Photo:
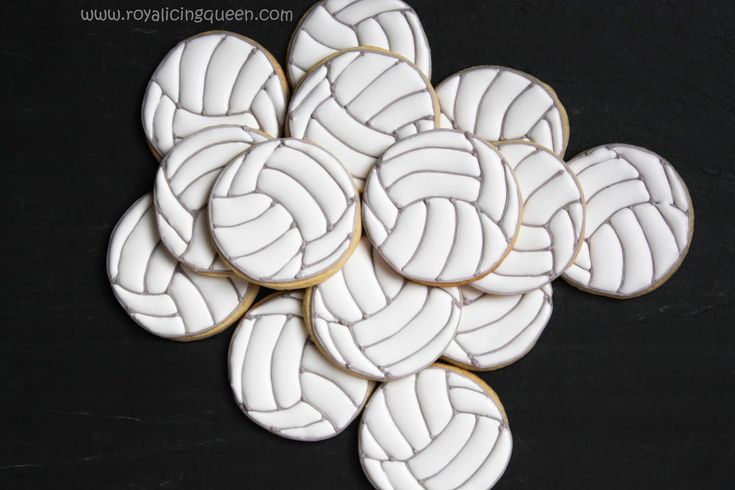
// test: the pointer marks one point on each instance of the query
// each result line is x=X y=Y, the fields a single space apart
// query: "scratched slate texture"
x=635 y=394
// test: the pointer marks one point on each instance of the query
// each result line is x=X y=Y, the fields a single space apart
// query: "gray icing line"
x=572 y=276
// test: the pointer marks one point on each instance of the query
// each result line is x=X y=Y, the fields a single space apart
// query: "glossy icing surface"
x=437 y=429
x=640 y=221
x=182 y=188
x=284 y=213
x=160 y=294
x=442 y=207
x=332 y=25
x=498 y=103
x=212 y=79
x=373 y=322
x=358 y=103
x=282 y=382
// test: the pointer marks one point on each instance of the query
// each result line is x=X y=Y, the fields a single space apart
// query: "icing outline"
x=436 y=107
x=407 y=10
x=245 y=301
x=682 y=252
x=556 y=102
x=296 y=283
x=257 y=47
x=509 y=176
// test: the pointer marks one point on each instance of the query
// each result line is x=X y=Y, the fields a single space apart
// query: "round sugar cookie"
x=333 y=25
x=281 y=381
x=210 y=79
x=160 y=294
x=552 y=224
x=640 y=221
x=442 y=207
x=285 y=214
x=498 y=103
x=369 y=320
x=441 y=428
x=358 y=102
x=182 y=188
x=496 y=331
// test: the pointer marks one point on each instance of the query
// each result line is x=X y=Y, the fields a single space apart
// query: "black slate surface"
x=636 y=394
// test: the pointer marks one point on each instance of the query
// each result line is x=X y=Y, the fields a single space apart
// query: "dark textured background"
x=637 y=394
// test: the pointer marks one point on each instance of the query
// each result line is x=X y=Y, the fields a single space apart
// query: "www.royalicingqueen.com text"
x=181 y=14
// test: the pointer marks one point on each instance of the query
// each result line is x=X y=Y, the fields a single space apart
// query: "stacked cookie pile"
x=400 y=222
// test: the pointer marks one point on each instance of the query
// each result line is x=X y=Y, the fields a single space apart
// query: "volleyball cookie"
x=371 y=321
x=496 y=331
x=441 y=428
x=160 y=294
x=182 y=188
x=285 y=214
x=282 y=382
x=442 y=207
x=211 y=79
x=358 y=102
x=552 y=224
x=333 y=25
x=640 y=221
x=498 y=103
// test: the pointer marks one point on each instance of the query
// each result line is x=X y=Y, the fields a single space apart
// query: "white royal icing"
x=284 y=213
x=437 y=429
x=442 y=207
x=160 y=294
x=552 y=224
x=639 y=221
x=183 y=185
x=498 y=103
x=333 y=25
x=212 y=79
x=281 y=380
x=495 y=331
x=358 y=103
x=373 y=322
